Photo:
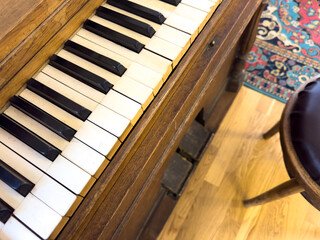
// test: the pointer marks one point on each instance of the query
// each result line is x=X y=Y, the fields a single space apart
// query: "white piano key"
x=46 y=189
x=105 y=43
x=163 y=31
x=36 y=127
x=99 y=139
x=101 y=50
x=203 y=5
x=155 y=62
x=145 y=57
x=71 y=176
x=123 y=105
x=162 y=7
x=66 y=91
x=136 y=71
x=38 y=216
x=146 y=76
x=52 y=109
x=56 y=196
x=175 y=36
x=10 y=196
x=78 y=183
x=183 y=24
x=194 y=14
x=111 y=122
x=15 y=230
x=154 y=44
x=134 y=113
x=172 y=19
x=85 y=157
x=139 y=37
x=151 y=23
x=73 y=83
x=29 y=171
x=109 y=76
x=166 y=49
x=24 y=150
x=135 y=90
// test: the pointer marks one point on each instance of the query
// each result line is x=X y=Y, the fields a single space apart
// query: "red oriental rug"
x=287 y=50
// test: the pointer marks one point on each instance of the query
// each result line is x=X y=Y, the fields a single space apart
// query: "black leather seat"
x=300 y=141
x=305 y=128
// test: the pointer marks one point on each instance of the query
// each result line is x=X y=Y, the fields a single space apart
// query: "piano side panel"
x=26 y=59
x=104 y=210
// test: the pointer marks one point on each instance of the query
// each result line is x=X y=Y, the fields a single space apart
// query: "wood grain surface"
x=240 y=164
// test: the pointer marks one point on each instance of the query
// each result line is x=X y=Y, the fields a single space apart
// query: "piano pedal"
x=175 y=178
x=194 y=141
x=185 y=160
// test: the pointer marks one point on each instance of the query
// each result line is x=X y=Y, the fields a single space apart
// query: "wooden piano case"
x=120 y=202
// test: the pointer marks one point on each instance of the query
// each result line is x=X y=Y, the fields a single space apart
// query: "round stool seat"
x=300 y=142
x=300 y=139
x=305 y=128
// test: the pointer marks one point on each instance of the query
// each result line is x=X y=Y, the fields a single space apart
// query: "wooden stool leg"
x=272 y=131
x=283 y=190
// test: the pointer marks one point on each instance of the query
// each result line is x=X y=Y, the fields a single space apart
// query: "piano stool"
x=299 y=136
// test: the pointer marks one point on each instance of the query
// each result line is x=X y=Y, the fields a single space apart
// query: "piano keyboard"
x=62 y=129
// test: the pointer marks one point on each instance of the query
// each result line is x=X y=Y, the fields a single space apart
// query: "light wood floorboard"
x=239 y=164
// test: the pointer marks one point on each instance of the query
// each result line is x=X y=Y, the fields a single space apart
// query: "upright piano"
x=95 y=97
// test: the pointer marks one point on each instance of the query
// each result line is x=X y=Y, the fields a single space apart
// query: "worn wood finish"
x=18 y=19
x=155 y=138
x=28 y=57
x=123 y=187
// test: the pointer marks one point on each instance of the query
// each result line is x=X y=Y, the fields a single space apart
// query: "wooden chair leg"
x=272 y=131
x=283 y=190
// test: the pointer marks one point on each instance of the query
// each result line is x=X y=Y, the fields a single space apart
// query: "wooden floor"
x=239 y=164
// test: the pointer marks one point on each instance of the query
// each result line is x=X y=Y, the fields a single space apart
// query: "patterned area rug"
x=287 y=50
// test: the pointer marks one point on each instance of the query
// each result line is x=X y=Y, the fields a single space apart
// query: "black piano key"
x=81 y=74
x=31 y=139
x=44 y=118
x=113 y=36
x=172 y=2
x=125 y=21
x=138 y=10
x=5 y=211
x=96 y=58
x=58 y=99
x=14 y=179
